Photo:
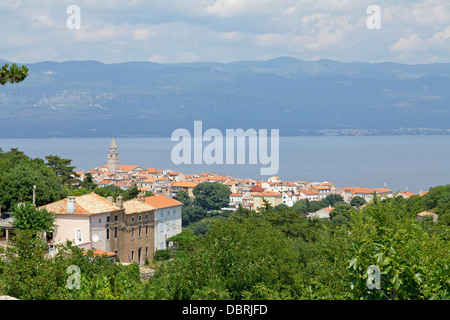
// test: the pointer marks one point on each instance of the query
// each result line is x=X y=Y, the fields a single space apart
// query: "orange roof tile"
x=185 y=184
x=236 y=195
x=160 y=201
x=308 y=192
x=100 y=253
x=267 y=194
x=90 y=203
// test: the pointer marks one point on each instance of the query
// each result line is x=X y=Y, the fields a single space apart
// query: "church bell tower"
x=113 y=157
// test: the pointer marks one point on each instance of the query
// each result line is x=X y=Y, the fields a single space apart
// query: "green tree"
x=183 y=197
x=88 y=182
x=211 y=195
x=332 y=200
x=342 y=213
x=28 y=217
x=13 y=73
x=413 y=262
x=357 y=201
x=240 y=258
x=18 y=175
x=62 y=168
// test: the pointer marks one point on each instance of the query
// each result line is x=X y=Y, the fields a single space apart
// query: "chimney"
x=110 y=199
x=71 y=204
x=141 y=197
x=119 y=202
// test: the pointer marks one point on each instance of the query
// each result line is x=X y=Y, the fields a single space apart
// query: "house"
x=309 y=194
x=134 y=231
x=84 y=220
x=274 y=179
x=233 y=185
x=322 y=213
x=423 y=214
x=7 y=230
x=290 y=198
x=323 y=191
x=187 y=186
x=274 y=198
x=366 y=193
x=236 y=198
x=167 y=219
x=92 y=222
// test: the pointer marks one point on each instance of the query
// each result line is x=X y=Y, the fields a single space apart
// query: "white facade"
x=290 y=198
x=167 y=224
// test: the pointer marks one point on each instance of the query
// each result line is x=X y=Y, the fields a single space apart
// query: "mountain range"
x=133 y=99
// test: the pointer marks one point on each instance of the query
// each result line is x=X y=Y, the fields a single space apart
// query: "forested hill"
x=90 y=98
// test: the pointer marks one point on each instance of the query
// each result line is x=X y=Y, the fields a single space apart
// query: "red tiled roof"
x=160 y=201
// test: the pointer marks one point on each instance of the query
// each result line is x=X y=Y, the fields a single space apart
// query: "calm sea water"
x=415 y=163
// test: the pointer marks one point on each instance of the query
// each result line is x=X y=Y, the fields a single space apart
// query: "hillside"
x=90 y=98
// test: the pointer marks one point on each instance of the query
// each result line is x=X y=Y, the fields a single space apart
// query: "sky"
x=174 y=31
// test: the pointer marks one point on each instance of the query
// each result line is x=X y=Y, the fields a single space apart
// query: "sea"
x=411 y=163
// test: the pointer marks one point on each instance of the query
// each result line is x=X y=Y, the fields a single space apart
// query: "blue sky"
x=225 y=30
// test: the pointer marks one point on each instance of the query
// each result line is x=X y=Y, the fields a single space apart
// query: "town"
x=134 y=230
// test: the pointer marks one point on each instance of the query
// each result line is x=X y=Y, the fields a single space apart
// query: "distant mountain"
x=90 y=98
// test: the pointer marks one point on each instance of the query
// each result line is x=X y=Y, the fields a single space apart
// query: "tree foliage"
x=211 y=195
x=19 y=173
x=28 y=217
x=13 y=73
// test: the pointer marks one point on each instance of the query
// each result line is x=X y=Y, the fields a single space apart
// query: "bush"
x=161 y=255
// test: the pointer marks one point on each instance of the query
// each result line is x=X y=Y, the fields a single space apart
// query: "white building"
x=84 y=220
x=167 y=219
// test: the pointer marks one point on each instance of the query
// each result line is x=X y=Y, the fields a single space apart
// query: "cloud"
x=414 y=43
x=225 y=30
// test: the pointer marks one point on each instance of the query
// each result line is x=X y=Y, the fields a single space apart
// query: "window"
x=140 y=218
x=107 y=234
x=140 y=231
x=132 y=219
x=132 y=233
x=107 y=219
x=115 y=232
x=99 y=221
x=146 y=217
x=146 y=230
x=116 y=217
x=78 y=236
x=146 y=251
x=132 y=255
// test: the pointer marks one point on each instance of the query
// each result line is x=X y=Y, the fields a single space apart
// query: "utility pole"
x=34 y=195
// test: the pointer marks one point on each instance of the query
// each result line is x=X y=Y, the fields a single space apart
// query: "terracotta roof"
x=135 y=206
x=425 y=213
x=236 y=195
x=321 y=187
x=267 y=194
x=185 y=184
x=127 y=168
x=90 y=203
x=366 y=190
x=100 y=253
x=160 y=201
x=257 y=188
x=309 y=192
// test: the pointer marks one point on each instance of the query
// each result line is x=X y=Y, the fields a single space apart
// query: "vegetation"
x=19 y=173
x=13 y=73
x=377 y=251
